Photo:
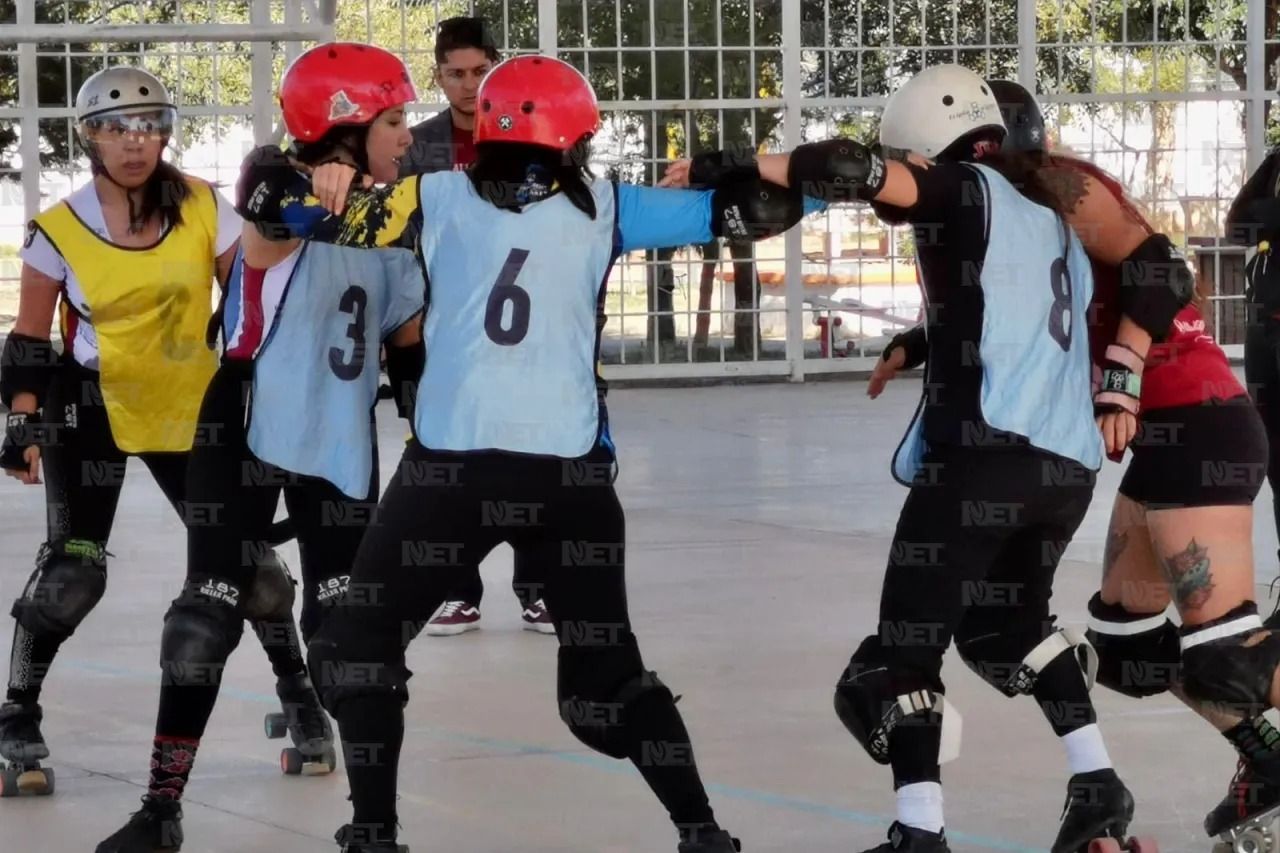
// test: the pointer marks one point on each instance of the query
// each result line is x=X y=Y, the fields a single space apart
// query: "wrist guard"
x=267 y=176
x=1121 y=388
x=27 y=366
x=21 y=431
x=915 y=344
x=714 y=169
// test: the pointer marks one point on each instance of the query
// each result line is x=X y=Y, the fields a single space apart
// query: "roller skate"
x=362 y=840
x=304 y=720
x=22 y=747
x=715 y=841
x=912 y=839
x=154 y=828
x=1097 y=815
x=1248 y=818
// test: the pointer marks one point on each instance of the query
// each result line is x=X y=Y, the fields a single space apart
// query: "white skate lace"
x=451 y=608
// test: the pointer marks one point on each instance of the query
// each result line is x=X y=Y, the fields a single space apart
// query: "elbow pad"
x=837 y=170
x=1156 y=283
x=758 y=210
x=914 y=344
x=404 y=369
x=27 y=366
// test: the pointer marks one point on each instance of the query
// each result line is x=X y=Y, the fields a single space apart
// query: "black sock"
x=664 y=757
x=372 y=731
x=914 y=745
x=283 y=646
x=1254 y=739
x=1063 y=695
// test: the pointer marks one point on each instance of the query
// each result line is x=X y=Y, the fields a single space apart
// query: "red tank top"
x=1189 y=367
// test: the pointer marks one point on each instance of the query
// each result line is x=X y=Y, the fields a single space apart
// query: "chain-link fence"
x=1171 y=97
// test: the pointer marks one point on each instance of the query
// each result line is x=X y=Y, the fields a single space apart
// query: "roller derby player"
x=298 y=321
x=133 y=256
x=1181 y=528
x=1001 y=460
x=465 y=51
x=510 y=416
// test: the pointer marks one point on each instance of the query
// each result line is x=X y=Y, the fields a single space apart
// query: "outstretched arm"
x=277 y=198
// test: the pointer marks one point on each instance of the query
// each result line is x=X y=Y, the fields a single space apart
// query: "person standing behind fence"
x=465 y=51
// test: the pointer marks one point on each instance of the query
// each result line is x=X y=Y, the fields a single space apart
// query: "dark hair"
x=463 y=33
x=164 y=192
x=342 y=137
x=502 y=169
x=1023 y=169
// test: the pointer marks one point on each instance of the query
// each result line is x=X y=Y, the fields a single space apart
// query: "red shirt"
x=464 y=148
x=1189 y=367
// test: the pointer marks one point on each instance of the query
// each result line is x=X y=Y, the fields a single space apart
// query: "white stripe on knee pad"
x=1128 y=629
x=1063 y=640
x=1243 y=625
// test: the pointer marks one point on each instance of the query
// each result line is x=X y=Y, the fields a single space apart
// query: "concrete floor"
x=759 y=520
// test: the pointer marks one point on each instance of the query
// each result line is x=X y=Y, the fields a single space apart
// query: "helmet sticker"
x=505 y=122
x=340 y=106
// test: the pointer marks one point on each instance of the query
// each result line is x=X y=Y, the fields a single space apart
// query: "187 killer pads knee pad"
x=872 y=698
x=1222 y=667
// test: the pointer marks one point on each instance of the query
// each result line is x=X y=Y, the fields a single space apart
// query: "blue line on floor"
x=588 y=760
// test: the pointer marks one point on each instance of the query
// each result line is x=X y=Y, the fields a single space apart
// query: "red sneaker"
x=454 y=617
x=537 y=619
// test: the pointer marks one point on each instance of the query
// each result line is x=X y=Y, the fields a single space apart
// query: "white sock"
x=1085 y=750
x=920 y=805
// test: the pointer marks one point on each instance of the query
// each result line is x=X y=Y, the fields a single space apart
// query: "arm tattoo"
x=1188 y=572
x=1116 y=542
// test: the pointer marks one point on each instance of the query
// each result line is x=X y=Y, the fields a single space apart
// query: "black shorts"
x=1210 y=454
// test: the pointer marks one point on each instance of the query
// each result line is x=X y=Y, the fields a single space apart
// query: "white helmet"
x=123 y=99
x=936 y=107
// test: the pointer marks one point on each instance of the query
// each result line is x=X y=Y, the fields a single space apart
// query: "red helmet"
x=538 y=100
x=341 y=83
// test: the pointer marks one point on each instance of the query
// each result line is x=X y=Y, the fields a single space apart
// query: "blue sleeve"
x=814 y=205
x=406 y=289
x=662 y=218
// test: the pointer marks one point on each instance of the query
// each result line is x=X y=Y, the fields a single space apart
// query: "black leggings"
x=440 y=517
x=83 y=471
x=1262 y=377
x=233 y=497
x=973 y=559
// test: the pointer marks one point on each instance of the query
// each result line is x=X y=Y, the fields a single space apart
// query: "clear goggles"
x=130 y=123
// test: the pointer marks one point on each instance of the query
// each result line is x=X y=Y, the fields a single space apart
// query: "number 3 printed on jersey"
x=1060 y=312
x=505 y=290
x=353 y=302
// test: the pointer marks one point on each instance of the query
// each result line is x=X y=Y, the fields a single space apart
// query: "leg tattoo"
x=1188 y=572
x=1116 y=542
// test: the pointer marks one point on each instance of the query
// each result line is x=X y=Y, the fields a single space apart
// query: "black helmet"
x=1022 y=117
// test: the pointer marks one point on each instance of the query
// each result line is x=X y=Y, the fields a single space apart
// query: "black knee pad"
x=1012 y=662
x=69 y=580
x=597 y=688
x=1138 y=653
x=346 y=664
x=273 y=591
x=874 y=696
x=196 y=643
x=1220 y=670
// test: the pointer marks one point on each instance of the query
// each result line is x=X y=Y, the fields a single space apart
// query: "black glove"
x=266 y=176
x=713 y=169
x=20 y=432
x=1121 y=388
x=915 y=344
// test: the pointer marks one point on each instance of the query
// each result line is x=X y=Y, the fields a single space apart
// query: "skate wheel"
x=276 y=726
x=1105 y=845
x=21 y=782
x=1142 y=844
x=1251 y=841
x=291 y=761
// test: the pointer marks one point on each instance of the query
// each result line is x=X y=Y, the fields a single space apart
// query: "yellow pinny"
x=149 y=308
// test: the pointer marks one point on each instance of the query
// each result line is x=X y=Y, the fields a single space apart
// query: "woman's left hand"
x=1118 y=430
x=677 y=175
